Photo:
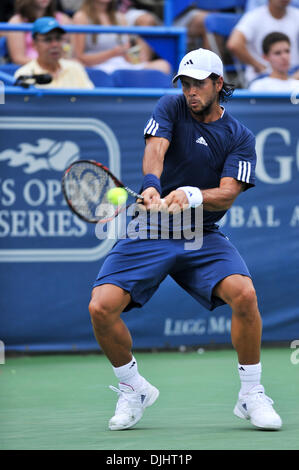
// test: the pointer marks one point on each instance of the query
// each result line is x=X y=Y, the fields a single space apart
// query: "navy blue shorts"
x=139 y=266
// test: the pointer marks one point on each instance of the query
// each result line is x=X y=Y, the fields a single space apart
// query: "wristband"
x=151 y=181
x=194 y=195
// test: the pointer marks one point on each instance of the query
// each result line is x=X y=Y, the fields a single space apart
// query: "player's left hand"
x=176 y=201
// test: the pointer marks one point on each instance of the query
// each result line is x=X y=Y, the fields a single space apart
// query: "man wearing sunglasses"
x=49 y=37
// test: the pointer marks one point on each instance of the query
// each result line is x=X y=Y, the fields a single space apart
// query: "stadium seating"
x=120 y=78
x=99 y=78
x=220 y=5
x=7 y=72
x=3 y=48
x=221 y=23
x=173 y=8
x=9 y=68
x=141 y=79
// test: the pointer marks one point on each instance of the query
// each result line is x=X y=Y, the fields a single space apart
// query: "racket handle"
x=133 y=193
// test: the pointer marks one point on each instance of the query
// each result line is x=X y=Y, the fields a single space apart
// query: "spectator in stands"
x=70 y=6
x=277 y=51
x=246 y=38
x=193 y=19
x=48 y=36
x=20 y=45
x=110 y=51
x=251 y=4
x=142 y=12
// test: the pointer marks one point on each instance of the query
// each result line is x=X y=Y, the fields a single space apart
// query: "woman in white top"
x=277 y=51
x=109 y=51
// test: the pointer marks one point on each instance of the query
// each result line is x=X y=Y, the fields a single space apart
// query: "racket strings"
x=86 y=186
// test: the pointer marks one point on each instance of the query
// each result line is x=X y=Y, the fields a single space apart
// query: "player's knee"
x=100 y=313
x=244 y=303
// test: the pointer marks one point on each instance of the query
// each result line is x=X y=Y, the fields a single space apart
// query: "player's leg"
x=129 y=276
x=106 y=305
x=134 y=392
x=246 y=329
x=214 y=275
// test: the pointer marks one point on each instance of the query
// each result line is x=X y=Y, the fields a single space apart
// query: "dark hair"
x=28 y=11
x=226 y=90
x=272 y=38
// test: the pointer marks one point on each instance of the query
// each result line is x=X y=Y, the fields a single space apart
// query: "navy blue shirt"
x=200 y=154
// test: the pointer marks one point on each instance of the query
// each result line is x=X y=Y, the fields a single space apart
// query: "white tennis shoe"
x=131 y=405
x=257 y=407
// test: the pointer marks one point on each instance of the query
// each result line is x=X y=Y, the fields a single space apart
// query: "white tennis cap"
x=199 y=64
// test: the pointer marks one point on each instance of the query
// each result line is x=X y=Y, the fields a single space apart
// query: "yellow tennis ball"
x=117 y=196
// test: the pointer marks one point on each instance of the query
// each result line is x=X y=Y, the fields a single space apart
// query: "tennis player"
x=196 y=154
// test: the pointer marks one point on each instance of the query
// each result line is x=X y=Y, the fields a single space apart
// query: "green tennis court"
x=62 y=402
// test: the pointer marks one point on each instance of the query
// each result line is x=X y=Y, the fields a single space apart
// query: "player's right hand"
x=152 y=200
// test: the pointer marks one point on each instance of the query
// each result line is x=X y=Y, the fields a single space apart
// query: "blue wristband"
x=151 y=181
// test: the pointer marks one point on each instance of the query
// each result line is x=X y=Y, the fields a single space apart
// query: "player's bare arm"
x=153 y=160
x=221 y=198
x=214 y=199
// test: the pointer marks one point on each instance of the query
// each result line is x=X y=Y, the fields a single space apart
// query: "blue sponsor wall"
x=49 y=258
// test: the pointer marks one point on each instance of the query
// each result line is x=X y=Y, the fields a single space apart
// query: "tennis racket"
x=85 y=184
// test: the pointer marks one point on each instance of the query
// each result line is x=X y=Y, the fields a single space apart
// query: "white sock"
x=129 y=375
x=250 y=376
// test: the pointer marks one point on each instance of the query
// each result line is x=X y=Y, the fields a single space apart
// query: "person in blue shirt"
x=197 y=158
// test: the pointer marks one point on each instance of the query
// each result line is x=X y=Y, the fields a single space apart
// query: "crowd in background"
x=264 y=42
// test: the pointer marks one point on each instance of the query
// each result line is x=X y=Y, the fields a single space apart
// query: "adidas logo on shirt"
x=202 y=141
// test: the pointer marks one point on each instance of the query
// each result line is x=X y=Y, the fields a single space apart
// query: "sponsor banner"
x=49 y=258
